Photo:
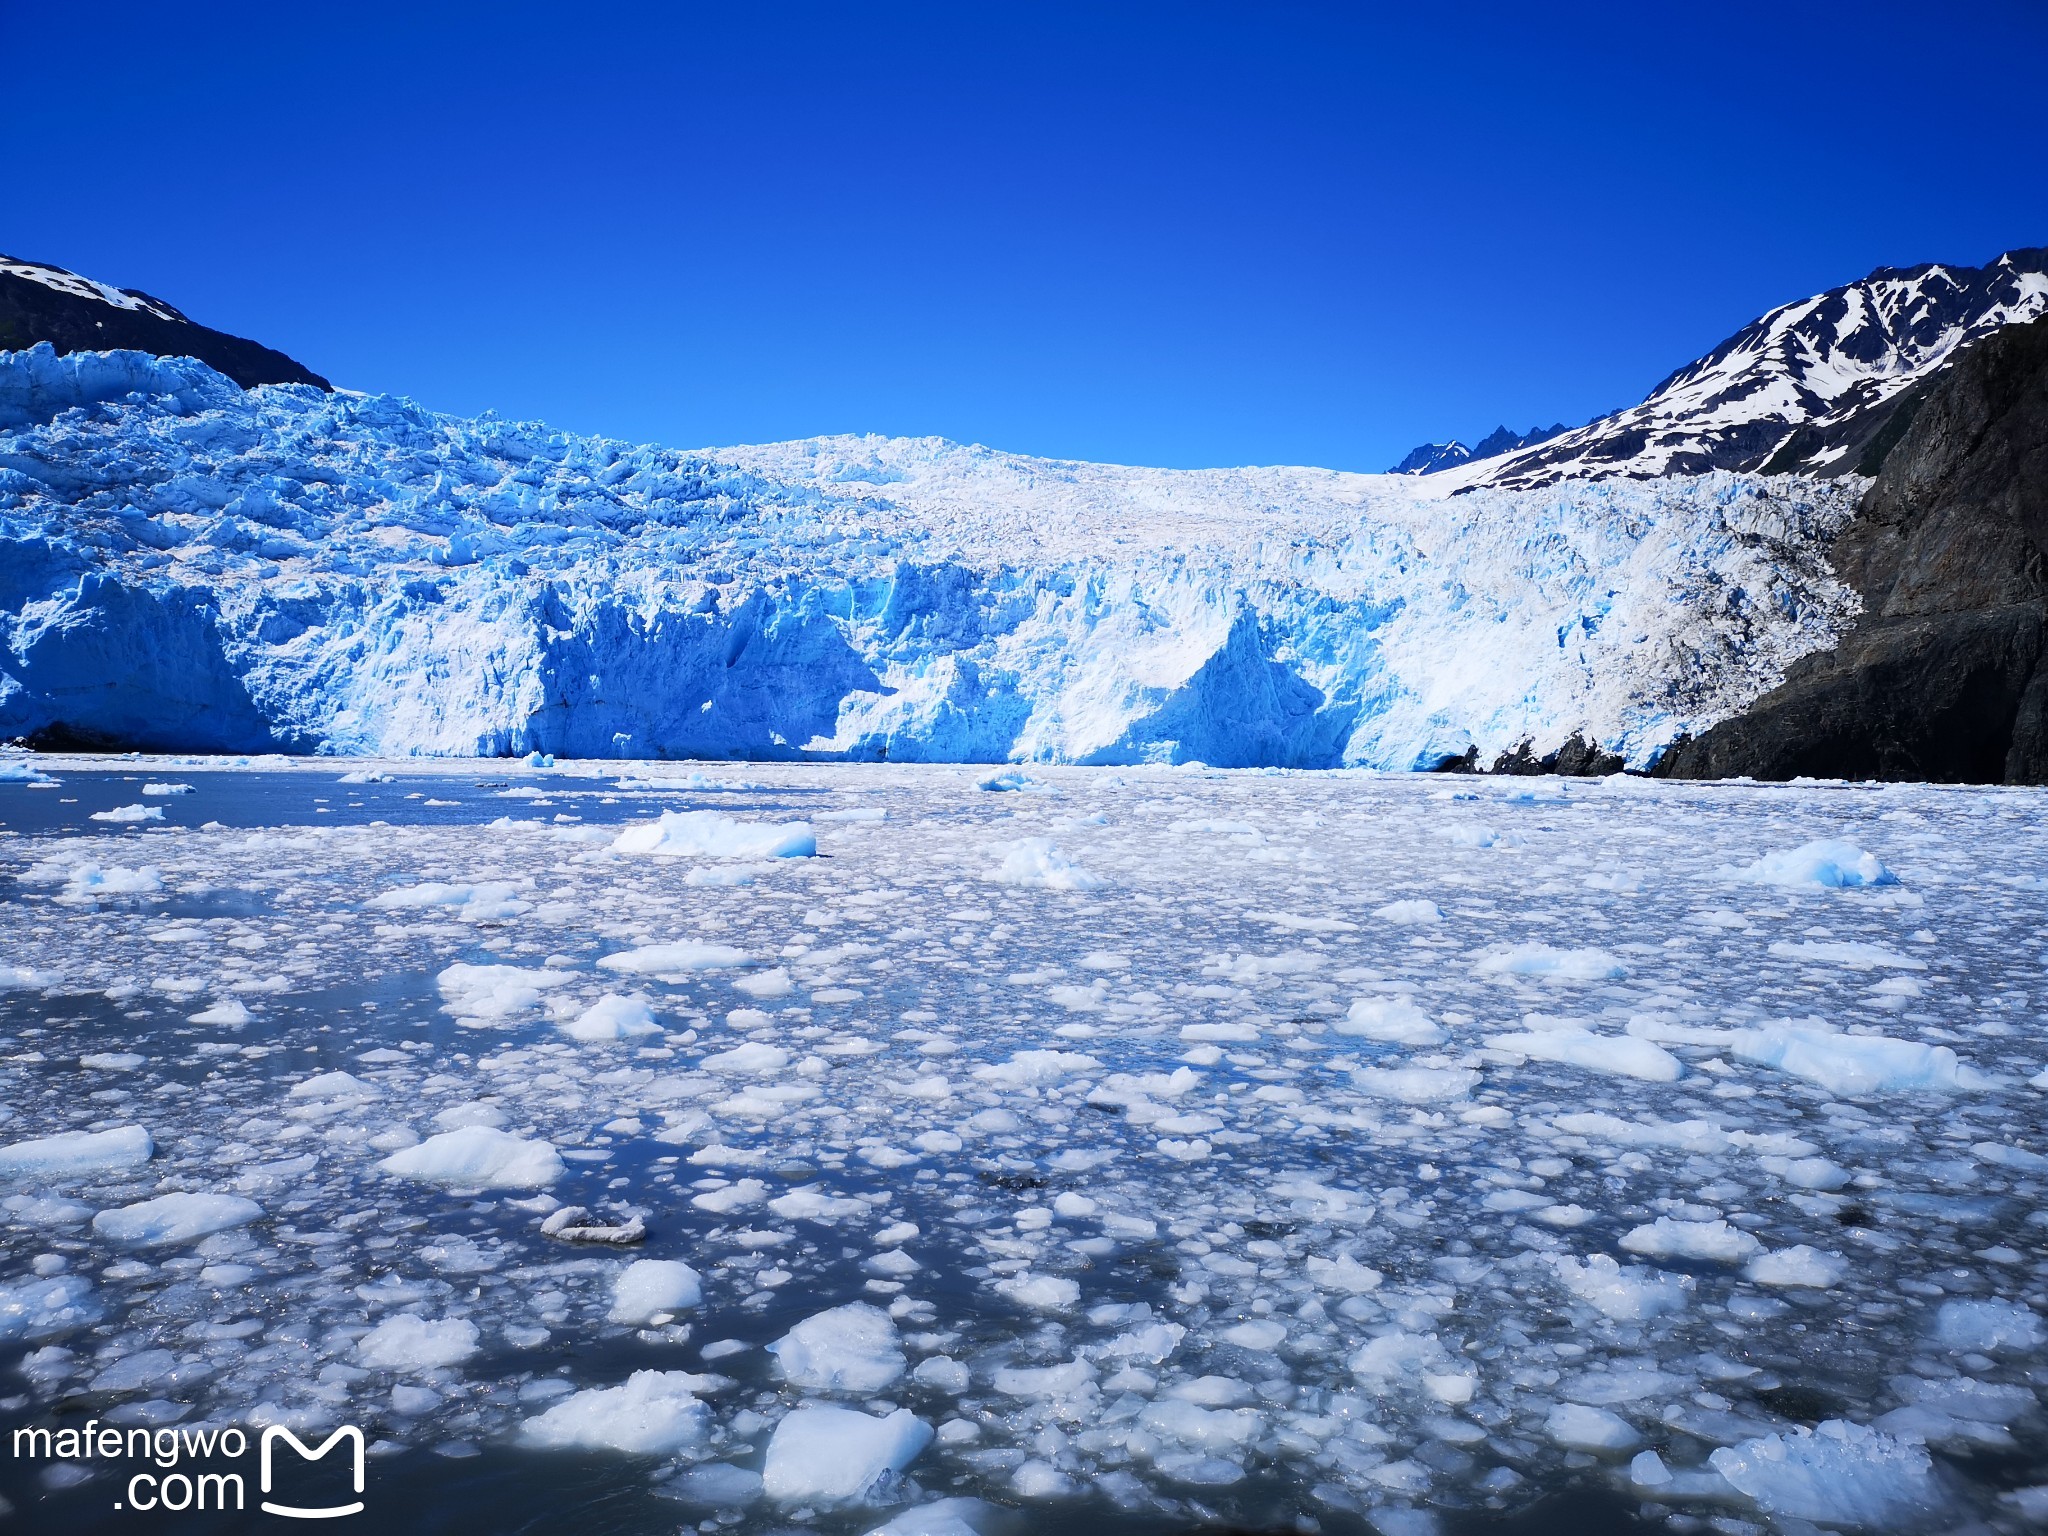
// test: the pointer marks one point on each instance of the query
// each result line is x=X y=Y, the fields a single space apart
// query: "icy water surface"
x=1144 y=1151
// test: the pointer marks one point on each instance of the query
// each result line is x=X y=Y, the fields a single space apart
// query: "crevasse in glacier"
x=187 y=566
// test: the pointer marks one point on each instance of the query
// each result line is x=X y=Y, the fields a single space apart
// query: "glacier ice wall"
x=186 y=566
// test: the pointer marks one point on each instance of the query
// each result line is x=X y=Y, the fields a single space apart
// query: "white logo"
x=278 y=1432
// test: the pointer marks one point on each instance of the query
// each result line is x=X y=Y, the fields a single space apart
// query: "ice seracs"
x=851 y=596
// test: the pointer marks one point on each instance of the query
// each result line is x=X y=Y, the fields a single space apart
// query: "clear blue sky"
x=1181 y=234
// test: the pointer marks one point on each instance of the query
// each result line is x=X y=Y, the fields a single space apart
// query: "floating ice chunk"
x=575 y=1224
x=73 y=1154
x=731 y=1197
x=1250 y=970
x=674 y=959
x=1034 y=862
x=1042 y=1293
x=334 y=1085
x=1962 y=1397
x=487 y=903
x=1988 y=1326
x=32 y=1310
x=409 y=1342
x=824 y=1455
x=1036 y=1069
x=942 y=1373
x=852 y=1349
x=1344 y=1273
x=1836 y=1473
x=652 y=1413
x=1470 y=834
x=112 y=1061
x=1647 y=1470
x=1416 y=1085
x=1413 y=911
x=1555 y=964
x=22 y=770
x=1857 y=956
x=816 y=1205
x=1809 y=1172
x=229 y=1013
x=647 y=1287
x=167 y=789
x=708 y=835
x=1295 y=924
x=490 y=994
x=20 y=977
x=1616 y=1055
x=479 y=1157
x=1853 y=1064
x=765 y=984
x=1147 y=1344
x=1401 y=1358
x=2010 y=1157
x=754 y=1059
x=1627 y=1295
x=945 y=1517
x=1826 y=864
x=1259 y=1333
x=130 y=813
x=1578 y=1427
x=1072 y=1379
x=1711 y=1241
x=1394 y=1020
x=1037 y=1478
x=1798 y=1265
x=1214 y=1430
x=174 y=1218
x=456 y=1116
x=714 y=1485
x=89 y=882
x=613 y=1017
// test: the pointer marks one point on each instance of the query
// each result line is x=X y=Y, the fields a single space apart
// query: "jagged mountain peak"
x=1428 y=458
x=1804 y=387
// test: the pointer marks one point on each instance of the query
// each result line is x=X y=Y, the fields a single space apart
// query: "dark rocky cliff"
x=1944 y=677
x=70 y=317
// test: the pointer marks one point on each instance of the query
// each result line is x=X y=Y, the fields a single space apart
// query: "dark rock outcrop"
x=1944 y=676
x=44 y=303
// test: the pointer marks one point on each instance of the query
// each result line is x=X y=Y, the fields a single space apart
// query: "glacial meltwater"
x=657 y=1147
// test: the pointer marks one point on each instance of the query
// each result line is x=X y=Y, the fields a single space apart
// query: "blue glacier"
x=187 y=566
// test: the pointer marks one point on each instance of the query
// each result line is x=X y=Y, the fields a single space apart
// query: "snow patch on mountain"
x=186 y=565
x=86 y=288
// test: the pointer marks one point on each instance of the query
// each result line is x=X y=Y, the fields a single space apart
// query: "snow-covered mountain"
x=42 y=303
x=187 y=565
x=1428 y=458
x=1804 y=389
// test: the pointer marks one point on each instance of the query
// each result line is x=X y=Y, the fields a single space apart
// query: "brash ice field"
x=1040 y=1149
